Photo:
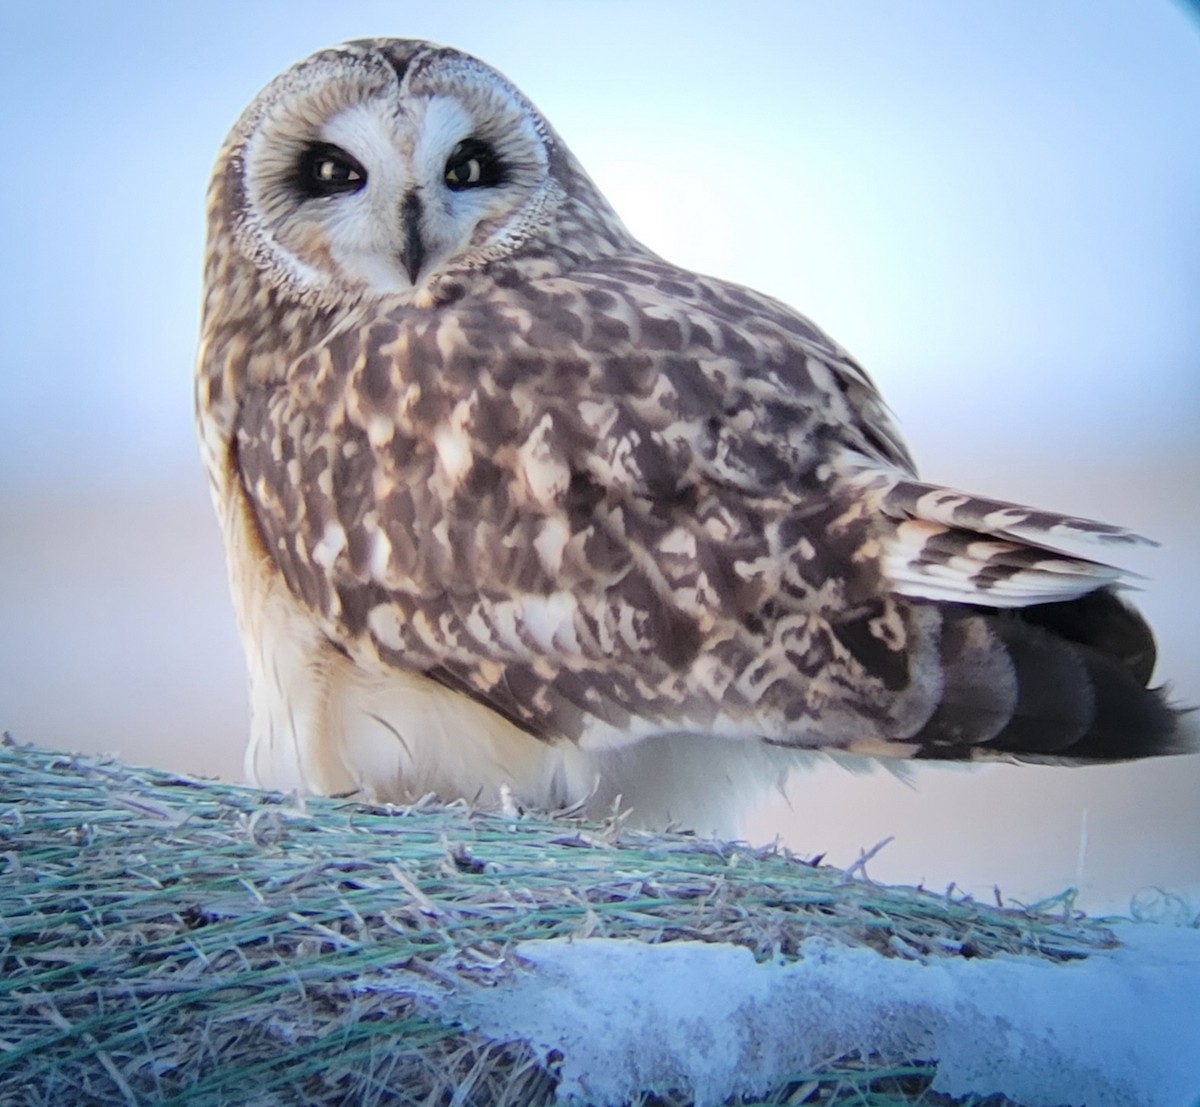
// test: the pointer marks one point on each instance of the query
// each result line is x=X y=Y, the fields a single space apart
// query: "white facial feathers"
x=406 y=215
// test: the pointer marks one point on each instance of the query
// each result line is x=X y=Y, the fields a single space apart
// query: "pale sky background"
x=996 y=207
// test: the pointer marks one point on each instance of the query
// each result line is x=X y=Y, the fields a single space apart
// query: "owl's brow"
x=399 y=65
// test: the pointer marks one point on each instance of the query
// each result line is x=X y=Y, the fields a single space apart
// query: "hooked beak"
x=412 y=253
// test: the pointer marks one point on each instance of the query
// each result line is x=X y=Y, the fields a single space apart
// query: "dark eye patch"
x=474 y=163
x=327 y=170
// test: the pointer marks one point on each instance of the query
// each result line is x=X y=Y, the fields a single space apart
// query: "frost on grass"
x=164 y=939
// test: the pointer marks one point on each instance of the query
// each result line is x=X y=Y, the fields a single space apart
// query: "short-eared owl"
x=512 y=504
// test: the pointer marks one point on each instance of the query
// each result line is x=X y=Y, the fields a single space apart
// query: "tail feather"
x=1016 y=687
x=1102 y=621
x=1038 y=658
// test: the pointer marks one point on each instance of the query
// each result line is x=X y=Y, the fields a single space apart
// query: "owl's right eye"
x=326 y=170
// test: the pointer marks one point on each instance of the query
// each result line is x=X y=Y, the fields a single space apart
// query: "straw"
x=165 y=939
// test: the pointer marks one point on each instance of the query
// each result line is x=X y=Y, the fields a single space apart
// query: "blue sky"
x=993 y=206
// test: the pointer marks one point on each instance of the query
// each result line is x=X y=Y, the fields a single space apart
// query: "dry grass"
x=171 y=940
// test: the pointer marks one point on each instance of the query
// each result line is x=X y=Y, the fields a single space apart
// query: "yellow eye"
x=332 y=169
x=473 y=164
x=464 y=173
x=326 y=170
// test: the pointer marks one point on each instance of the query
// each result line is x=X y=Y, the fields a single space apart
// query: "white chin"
x=381 y=276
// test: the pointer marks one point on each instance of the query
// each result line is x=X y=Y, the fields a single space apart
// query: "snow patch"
x=1120 y=1027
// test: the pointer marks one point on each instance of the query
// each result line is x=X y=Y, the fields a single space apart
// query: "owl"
x=519 y=512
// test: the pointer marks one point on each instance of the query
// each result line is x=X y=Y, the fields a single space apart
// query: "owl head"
x=383 y=166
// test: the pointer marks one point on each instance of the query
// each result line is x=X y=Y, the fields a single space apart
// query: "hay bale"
x=167 y=939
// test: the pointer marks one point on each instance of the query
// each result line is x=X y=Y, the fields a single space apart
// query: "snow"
x=1120 y=1027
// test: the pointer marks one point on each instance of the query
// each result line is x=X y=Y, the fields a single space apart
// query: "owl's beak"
x=412 y=253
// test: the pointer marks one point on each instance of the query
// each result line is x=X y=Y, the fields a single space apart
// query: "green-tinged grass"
x=171 y=940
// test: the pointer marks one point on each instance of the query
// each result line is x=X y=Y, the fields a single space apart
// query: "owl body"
x=515 y=507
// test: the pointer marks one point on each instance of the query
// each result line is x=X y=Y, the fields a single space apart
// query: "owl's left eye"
x=326 y=170
x=473 y=164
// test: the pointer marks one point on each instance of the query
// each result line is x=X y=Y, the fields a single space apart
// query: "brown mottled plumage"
x=512 y=503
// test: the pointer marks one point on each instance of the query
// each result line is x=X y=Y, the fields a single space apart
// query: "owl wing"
x=634 y=501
